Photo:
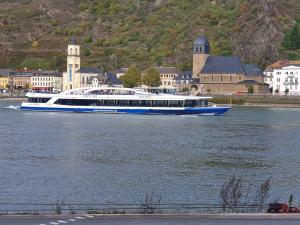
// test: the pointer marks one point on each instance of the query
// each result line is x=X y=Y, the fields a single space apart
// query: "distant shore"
x=12 y=99
x=273 y=105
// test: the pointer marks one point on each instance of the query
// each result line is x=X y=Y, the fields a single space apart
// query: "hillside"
x=117 y=33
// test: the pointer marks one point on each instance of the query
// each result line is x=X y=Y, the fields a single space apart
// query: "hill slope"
x=116 y=33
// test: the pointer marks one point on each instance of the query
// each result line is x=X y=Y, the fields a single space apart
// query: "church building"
x=224 y=74
x=71 y=80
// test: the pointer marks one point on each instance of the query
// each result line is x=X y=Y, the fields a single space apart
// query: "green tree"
x=88 y=39
x=291 y=40
x=250 y=89
x=151 y=78
x=291 y=199
x=132 y=78
x=295 y=37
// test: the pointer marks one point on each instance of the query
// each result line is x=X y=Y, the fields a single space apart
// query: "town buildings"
x=20 y=79
x=186 y=82
x=224 y=74
x=4 y=78
x=283 y=77
x=46 y=80
x=167 y=75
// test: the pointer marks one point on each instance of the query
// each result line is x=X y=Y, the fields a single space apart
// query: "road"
x=248 y=219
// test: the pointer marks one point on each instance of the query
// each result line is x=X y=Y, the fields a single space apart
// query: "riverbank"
x=261 y=101
x=13 y=99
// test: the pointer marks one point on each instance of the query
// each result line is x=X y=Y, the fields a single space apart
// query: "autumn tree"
x=151 y=78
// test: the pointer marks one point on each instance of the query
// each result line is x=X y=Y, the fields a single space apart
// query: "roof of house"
x=5 y=72
x=253 y=70
x=223 y=65
x=21 y=73
x=113 y=78
x=282 y=63
x=107 y=78
x=186 y=75
x=89 y=70
x=163 y=69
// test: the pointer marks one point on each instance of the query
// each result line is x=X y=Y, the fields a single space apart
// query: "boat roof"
x=120 y=93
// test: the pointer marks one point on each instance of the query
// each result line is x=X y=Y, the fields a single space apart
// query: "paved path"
x=247 y=219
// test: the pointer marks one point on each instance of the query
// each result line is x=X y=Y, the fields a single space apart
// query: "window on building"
x=70 y=75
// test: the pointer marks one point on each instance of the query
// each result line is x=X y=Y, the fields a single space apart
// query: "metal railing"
x=123 y=208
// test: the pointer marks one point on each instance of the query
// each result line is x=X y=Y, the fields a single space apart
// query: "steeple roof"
x=202 y=40
x=73 y=40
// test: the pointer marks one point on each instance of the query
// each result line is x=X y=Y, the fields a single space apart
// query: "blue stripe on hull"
x=186 y=111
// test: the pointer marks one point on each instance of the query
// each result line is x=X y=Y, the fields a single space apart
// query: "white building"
x=70 y=78
x=120 y=72
x=46 y=80
x=284 y=80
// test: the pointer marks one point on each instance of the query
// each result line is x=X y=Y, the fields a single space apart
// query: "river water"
x=98 y=158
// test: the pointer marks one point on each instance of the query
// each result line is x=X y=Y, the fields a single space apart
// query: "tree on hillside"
x=132 y=78
x=151 y=78
x=291 y=40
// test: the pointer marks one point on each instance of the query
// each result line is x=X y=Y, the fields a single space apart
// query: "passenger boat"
x=121 y=100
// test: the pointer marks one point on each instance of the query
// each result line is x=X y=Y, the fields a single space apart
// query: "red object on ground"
x=282 y=208
x=278 y=208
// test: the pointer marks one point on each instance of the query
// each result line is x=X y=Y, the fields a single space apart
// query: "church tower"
x=71 y=80
x=200 y=54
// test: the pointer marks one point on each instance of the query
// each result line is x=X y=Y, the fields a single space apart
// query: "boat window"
x=108 y=103
x=160 y=103
x=122 y=103
x=78 y=102
x=174 y=103
x=202 y=103
x=133 y=103
x=145 y=103
x=38 y=100
x=190 y=103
